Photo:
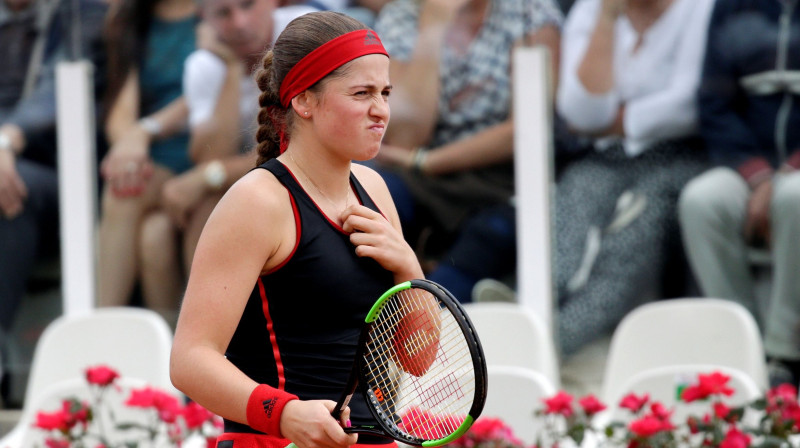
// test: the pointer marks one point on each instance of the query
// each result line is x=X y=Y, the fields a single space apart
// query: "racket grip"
x=291 y=445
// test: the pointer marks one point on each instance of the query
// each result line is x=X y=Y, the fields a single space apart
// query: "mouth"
x=378 y=128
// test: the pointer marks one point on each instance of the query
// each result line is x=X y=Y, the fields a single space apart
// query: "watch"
x=151 y=126
x=215 y=174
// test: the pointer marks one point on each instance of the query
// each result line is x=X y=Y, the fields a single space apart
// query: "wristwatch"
x=215 y=174
x=151 y=126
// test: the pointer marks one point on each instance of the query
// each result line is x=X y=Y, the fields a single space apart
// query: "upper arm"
x=125 y=109
x=231 y=254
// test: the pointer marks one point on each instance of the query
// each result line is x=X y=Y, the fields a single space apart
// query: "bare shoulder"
x=370 y=179
x=376 y=187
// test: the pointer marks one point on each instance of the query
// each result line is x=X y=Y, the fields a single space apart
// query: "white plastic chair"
x=135 y=342
x=663 y=384
x=512 y=334
x=514 y=394
x=50 y=397
x=684 y=331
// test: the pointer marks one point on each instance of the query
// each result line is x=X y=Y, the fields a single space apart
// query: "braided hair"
x=301 y=36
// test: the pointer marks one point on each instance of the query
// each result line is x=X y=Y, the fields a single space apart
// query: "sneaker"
x=491 y=290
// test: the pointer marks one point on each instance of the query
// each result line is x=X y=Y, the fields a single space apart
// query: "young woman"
x=298 y=249
x=147 y=43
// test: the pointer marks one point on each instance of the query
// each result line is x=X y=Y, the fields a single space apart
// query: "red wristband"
x=264 y=408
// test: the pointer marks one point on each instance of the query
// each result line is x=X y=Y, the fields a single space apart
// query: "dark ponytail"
x=302 y=36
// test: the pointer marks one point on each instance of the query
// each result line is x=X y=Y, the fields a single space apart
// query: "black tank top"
x=300 y=327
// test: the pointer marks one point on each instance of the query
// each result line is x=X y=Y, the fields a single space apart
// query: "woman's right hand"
x=308 y=423
x=127 y=167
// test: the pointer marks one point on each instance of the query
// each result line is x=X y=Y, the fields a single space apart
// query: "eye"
x=361 y=93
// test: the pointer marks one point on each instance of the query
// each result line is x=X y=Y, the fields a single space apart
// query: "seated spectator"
x=28 y=178
x=147 y=43
x=448 y=152
x=749 y=201
x=363 y=10
x=222 y=99
x=629 y=77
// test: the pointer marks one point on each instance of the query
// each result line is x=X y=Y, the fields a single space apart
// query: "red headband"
x=327 y=58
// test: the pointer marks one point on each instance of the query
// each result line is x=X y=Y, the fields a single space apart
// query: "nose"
x=239 y=19
x=380 y=108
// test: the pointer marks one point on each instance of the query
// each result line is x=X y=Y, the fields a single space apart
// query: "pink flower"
x=561 y=404
x=634 y=403
x=591 y=405
x=101 y=375
x=735 y=439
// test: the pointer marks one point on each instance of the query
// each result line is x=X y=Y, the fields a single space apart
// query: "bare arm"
x=415 y=97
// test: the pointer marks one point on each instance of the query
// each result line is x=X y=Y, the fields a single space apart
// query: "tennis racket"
x=421 y=367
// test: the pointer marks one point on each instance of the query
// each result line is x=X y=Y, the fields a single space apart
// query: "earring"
x=305 y=113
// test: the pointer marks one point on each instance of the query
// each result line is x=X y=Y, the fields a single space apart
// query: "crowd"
x=676 y=124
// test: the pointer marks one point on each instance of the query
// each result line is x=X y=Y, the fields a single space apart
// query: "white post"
x=533 y=172
x=77 y=177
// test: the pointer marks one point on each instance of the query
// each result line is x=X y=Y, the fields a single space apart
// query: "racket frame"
x=385 y=430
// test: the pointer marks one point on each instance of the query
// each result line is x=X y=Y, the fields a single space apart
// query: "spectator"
x=629 y=79
x=363 y=10
x=34 y=36
x=146 y=127
x=450 y=144
x=222 y=99
x=751 y=124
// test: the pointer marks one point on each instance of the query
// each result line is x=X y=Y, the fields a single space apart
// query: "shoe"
x=491 y=290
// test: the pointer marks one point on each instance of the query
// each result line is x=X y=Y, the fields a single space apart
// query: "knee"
x=699 y=203
x=786 y=197
x=156 y=240
x=120 y=209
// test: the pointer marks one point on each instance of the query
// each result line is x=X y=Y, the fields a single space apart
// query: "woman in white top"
x=629 y=74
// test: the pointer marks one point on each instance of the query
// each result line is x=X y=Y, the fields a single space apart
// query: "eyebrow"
x=371 y=86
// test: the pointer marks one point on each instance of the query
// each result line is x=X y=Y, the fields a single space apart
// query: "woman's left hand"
x=374 y=237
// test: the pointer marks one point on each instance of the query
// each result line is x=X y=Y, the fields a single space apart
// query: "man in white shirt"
x=222 y=98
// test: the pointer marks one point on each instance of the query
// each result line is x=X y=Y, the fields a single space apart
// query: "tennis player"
x=298 y=249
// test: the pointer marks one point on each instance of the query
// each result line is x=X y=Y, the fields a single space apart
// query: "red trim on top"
x=298 y=230
x=273 y=340
x=333 y=223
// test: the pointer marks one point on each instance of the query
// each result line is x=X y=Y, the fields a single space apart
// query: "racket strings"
x=434 y=404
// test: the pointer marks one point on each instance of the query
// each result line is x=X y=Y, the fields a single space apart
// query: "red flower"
x=167 y=406
x=634 y=403
x=195 y=415
x=721 y=411
x=561 y=403
x=660 y=412
x=735 y=439
x=56 y=443
x=711 y=384
x=101 y=375
x=784 y=392
x=52 y=421
x=591 y=405
x=649 y=425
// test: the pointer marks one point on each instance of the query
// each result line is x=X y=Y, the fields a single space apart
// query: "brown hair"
x=301 y=36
